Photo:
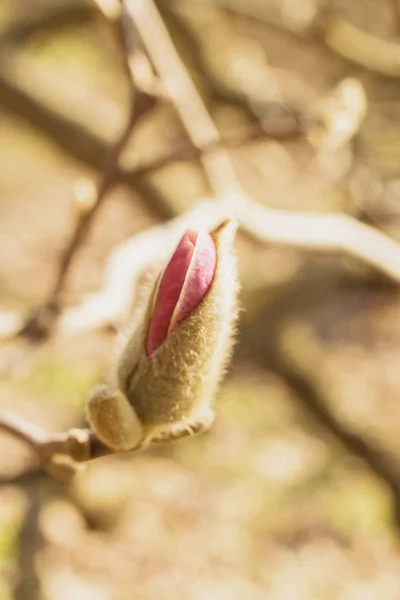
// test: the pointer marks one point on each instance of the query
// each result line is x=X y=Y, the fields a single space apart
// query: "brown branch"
x=316 y=232
x=40 y=323
x=395 y=8
x=43 y=101
x=76 y=12
x=48 y=19
x=283 y=129
x=380 y=462
x=141 y=104
x=182 y=92
x=273 y=344
x=215 y=86
x=360 y=47
x=332 y=34
x=28 y=585
x=59 y=454
x=28 y=97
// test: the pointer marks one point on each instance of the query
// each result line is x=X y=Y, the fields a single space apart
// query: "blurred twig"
x=326 y=233
x=216 y=88
x=59 y=454
x=76 y=12
x=89 y=145
x=286 y=128
x=39 y=324
x=396 y=15
x=273 y=344
x=48 y=18
x=28 y=583
x=33 y=94
x=362 y=48
x=337 y=34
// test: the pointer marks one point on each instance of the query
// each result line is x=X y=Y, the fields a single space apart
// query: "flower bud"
x=175 y=356
x=184 y=283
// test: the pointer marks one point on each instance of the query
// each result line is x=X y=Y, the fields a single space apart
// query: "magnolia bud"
x=183 y=285
x=177 y=350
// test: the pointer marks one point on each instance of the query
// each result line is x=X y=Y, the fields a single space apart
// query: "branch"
x=50 y=19
x=282 y=129
x=59 y=454
x=28 y=584
x=332 y=33
x=274 y=343
x=62 y=455
x=315 y=232
x=394 y=5
x=31 y=92
x=182 y=92
x=362 y=48
x=383 y=464
x=47 y=19
x=40 y=323
x=79 y=126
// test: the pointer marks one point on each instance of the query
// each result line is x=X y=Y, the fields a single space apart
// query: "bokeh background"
x=295 y=492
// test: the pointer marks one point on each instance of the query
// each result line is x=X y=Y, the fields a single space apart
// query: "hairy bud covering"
x=177 y=347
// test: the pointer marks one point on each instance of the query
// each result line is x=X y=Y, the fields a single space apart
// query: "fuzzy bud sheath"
x=178 y=345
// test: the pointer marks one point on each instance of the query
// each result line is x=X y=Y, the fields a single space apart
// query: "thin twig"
x=39 y=98
x=60 y=453
x=28 y=584
x=188 y=102
x=63 y=454
x=362 y=48
x=394 y=5
x=21 y=429
x=42 y=320
x=48 y=19
x=287 y=128
x=316 y=232
x=275 y=344
x=139 y=107
x=30 y=99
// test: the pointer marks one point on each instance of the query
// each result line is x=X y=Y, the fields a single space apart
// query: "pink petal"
x=198 y=278
x=183 y=285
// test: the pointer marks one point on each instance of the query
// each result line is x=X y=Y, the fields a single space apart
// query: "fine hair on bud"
x=178 y=343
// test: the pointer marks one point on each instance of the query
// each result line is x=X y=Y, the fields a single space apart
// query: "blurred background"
x=295 y=492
